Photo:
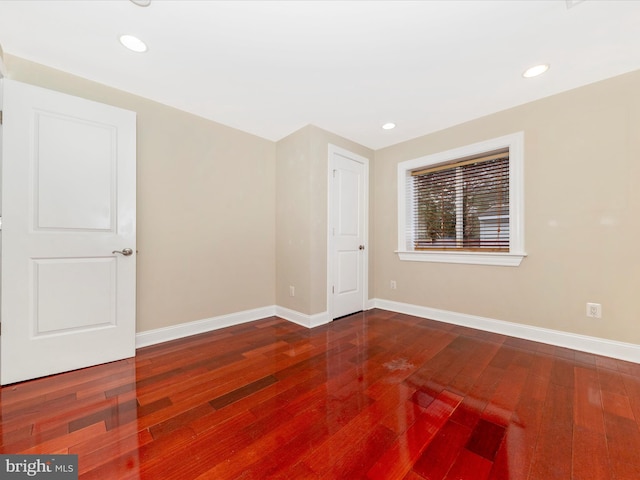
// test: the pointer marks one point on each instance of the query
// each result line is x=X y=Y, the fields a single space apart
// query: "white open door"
x=347 y=253
x=68 y=203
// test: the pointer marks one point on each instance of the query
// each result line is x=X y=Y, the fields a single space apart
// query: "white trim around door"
x=337 y=155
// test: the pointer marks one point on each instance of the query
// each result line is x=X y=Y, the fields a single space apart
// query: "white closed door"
x=68 y=203
x=348 y=253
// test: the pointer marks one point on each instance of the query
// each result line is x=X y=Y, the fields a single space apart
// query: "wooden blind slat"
x=495 y=156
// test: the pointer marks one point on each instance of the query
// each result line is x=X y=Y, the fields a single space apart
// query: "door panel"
x=76 y=157
x=73 y=294
x=68 y=197
x=348 y=232
x=348 y=268
x=348 y=198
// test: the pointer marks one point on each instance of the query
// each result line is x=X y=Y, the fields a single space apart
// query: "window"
x=463 y=205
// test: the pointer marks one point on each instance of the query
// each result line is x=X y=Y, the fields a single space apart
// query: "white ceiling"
x=270 y=68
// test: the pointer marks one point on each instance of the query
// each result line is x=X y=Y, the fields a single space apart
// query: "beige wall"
x=582 y=201
x=206 y=207
x=293 y=212
x=301 y=219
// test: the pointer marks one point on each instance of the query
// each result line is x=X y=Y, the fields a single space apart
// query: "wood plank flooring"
x=376 y=395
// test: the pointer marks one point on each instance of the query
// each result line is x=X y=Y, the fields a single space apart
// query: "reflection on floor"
x=375 y=395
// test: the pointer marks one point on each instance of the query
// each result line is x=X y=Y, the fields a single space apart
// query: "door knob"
x=125 y=251
x=361 y=247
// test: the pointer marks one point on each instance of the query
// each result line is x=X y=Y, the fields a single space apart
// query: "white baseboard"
x=308 y=321
x=174 y=332
x=599 y=346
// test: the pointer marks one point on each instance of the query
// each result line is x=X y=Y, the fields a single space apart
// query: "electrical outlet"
x=393 y=285
x=594 y=310
x=292 y=291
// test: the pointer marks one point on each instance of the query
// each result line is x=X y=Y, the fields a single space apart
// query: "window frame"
x=515 y=143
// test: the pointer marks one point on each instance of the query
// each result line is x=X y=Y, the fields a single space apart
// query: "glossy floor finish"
x=375 y=395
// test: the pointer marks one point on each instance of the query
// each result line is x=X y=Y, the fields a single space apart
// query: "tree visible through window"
x=462 y=205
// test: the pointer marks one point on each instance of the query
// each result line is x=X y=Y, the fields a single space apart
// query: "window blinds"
x=462 y=205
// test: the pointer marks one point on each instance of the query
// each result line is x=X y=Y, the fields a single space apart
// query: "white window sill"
x=472 y=258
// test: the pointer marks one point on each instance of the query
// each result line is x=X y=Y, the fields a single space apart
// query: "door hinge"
x=334 y=173
x=0 y=117
x=333 y=289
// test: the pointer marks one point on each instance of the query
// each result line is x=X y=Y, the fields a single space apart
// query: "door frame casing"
x=332 y=151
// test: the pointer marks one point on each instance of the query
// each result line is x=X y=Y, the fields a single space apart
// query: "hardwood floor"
x=375 y=395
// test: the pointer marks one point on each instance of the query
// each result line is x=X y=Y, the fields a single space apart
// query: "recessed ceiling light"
x=535 y=71
x=389 y=126
x=133 y=43
x=142 y=3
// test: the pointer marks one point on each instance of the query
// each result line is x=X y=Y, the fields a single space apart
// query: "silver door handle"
x=125 y=251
